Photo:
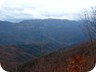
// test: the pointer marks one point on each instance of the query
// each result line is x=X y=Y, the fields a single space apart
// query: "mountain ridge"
x=40 y=30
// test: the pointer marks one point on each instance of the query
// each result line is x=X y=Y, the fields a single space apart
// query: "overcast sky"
x=14 y=10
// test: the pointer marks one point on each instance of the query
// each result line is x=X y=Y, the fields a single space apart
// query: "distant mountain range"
x=61 y=32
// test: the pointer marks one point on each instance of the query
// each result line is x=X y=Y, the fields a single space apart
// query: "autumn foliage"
x=75 y=59
x=77 y=64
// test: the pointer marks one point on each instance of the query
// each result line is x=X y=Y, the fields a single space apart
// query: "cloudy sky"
x=14 y=10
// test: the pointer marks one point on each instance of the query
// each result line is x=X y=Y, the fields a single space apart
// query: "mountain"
x=62 y=32
x=30 y=39
x=74 y=59
x=12 y=55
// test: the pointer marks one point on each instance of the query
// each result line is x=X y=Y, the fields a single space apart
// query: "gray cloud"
x=27 y=9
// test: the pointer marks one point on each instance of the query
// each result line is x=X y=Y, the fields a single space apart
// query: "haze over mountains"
x=46 y=35
x=64 y=32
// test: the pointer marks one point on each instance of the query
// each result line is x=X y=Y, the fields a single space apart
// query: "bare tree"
x=90 y=21
x=90 y=26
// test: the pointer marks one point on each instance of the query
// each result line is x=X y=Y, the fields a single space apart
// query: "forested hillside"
x=75 y=59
